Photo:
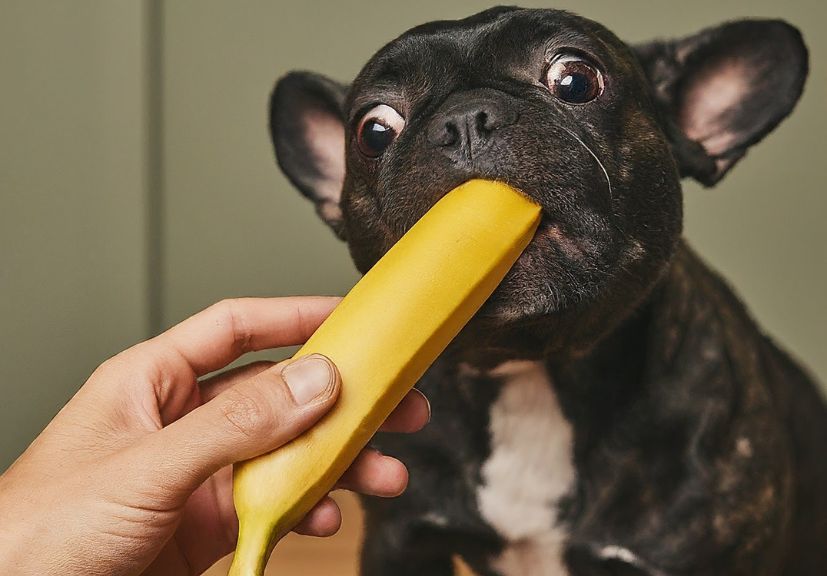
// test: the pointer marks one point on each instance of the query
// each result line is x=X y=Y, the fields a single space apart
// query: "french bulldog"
x=613 y=409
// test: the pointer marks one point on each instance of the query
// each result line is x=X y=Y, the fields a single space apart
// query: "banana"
x=383 y=336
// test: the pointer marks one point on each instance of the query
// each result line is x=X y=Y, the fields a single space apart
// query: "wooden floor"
x=305 y=556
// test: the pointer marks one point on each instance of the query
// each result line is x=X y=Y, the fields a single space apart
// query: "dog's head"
x=597 y=132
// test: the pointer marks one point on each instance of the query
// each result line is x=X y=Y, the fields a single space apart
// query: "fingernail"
x=309 y=378
x=427 y=402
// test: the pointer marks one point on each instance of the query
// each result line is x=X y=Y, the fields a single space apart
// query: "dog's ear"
x=724 y=89
x=308 y=131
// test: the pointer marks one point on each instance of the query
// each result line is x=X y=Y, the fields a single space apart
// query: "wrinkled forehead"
x=500 y=41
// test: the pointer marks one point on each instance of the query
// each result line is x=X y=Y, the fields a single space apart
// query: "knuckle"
x=107 y=367
x=248 y=413
x=230 y=310
x=123 y=360
x=139 y=364
x=224 y=303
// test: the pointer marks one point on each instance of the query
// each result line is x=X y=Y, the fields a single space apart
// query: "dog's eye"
x=572 y=79
x=378 y=129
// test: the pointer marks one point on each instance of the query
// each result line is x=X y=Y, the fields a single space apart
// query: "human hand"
x=133 y=475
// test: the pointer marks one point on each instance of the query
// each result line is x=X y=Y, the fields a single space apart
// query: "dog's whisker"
x=596 y=159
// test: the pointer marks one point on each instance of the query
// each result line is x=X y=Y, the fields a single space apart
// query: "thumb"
x=249 y=419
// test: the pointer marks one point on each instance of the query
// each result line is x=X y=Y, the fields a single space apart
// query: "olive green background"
x=138 y=184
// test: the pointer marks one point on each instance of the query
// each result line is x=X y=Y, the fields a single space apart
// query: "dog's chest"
x=529 y=470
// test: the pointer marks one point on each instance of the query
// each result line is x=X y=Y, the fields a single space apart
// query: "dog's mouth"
x=555 y=272
x=540 y=281
x=537 y=283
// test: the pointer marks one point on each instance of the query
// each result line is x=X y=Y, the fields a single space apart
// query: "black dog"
x=613 y=409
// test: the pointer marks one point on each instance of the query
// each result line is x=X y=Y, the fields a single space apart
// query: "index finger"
x=214 y=337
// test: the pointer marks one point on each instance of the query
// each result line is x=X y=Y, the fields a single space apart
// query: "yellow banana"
x=383 y=336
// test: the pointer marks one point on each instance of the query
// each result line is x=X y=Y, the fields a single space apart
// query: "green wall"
x=138 y=183
x=73 y=214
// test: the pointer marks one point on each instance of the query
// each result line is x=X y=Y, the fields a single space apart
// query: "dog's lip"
x=548 y=228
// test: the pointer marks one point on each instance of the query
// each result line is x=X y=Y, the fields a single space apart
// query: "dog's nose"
x=467 y=122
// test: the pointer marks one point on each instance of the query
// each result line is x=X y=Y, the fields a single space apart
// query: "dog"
x=612 y=409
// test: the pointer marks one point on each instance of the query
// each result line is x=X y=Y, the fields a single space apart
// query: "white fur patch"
x=529 y=470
